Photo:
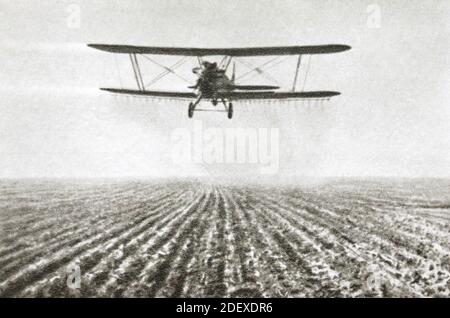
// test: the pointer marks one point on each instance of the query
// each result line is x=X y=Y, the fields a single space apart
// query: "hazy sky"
x=392 y=118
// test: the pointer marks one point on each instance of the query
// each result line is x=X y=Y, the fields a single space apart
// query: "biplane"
x=212 y=82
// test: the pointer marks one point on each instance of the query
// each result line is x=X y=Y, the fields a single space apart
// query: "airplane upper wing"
x=247 y=51
x=234 y=95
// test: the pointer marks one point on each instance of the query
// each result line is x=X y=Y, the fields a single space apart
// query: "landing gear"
x=230 y=110
x=191 y=110
x=192 y=106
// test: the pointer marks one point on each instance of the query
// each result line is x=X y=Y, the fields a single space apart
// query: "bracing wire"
x=266 y=68
x=169 y=69
x=253 y=68
x=164 y=73
x=306 y=73
x=118 y=70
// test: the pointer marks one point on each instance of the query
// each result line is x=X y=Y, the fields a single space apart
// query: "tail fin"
x=255 y=87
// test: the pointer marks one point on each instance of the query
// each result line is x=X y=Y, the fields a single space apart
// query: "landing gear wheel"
x=191 y=110
x=230 y=110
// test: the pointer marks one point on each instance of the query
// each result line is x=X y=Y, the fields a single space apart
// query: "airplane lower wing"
x=277 y=95
x=162 y=94
x=232 y=95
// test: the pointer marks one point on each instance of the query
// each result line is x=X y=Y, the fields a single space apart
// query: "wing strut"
x=299 y=61
x=137 y=72
x=228 y=63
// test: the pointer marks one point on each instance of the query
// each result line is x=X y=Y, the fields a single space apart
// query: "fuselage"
x=213 y=80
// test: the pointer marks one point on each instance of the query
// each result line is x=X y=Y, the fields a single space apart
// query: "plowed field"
x=198 y=239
